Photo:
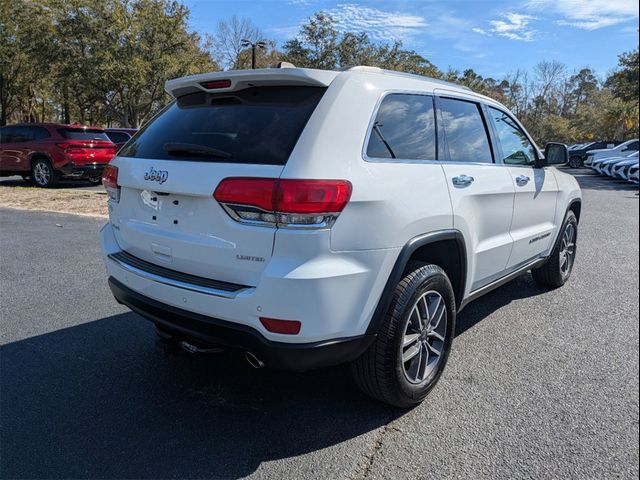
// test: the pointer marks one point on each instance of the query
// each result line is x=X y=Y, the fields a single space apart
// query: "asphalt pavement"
x=17 y=181
x=539 y=383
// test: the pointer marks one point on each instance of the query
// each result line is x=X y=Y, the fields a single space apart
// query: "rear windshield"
x=118 y=137
x=255 y=125
x=83 y=134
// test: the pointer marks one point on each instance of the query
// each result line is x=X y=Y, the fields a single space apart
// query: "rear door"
x=481 y=191
x=167 y=175
x=534 y=223
x=15 y=149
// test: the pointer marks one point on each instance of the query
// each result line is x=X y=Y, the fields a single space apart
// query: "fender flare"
x=401 y=263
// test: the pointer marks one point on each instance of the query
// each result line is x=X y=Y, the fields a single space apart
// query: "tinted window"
x=465 y=131
x=404 y=128
x=118 y=137
x=38 y=133
x=254 y=125
x=16 y=134
x=83 y=134
x=6 y=134
x=632 y=146
x=516 y=147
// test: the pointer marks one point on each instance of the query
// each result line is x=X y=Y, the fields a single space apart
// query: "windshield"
x=254 y=125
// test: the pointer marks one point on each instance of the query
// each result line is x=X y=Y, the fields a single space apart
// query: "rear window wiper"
x=194 y=149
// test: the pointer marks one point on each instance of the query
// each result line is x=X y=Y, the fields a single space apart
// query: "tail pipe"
x=252 y=360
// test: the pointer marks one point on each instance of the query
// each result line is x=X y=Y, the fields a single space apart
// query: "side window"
x=6 y=134
x=404 y=128
x=465 y=131
x=516 y=147
x=633 y=146
x=39 y=133
x=16 y=135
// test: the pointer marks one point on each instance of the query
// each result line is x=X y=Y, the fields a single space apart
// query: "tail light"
x=283 y=202
x=110 y=182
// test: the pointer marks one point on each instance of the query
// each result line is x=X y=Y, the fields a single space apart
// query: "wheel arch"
x=444 y=248
x=40 y=155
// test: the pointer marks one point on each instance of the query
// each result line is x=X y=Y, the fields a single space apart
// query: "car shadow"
x=98 y=400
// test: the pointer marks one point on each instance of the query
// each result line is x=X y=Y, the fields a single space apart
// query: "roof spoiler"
x=285 y=75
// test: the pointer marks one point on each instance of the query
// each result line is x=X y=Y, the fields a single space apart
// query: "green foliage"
x=100 y=62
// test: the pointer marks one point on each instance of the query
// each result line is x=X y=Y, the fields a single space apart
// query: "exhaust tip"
x=252 y=360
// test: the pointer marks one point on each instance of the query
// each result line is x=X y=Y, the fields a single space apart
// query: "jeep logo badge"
x=154 y=175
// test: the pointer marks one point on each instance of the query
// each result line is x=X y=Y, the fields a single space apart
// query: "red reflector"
x=216 y=84
x=110 y=176
x=285 y=196
x=287 y=327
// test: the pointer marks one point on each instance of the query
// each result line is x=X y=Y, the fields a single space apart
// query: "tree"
x=227 y=44
x=625 y=81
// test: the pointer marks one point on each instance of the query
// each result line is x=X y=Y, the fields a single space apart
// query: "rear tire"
x=575 y=162
x=94 y=180
x=412 y=347
x=43 y=174
x=557 y=270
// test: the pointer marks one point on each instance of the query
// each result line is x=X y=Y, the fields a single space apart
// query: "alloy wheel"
x=568 y=249
x=424 y=337
x=41 y=173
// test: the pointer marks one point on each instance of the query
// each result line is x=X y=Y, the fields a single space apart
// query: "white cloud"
x=514 y=26
x=588 y=14
x=379 y=24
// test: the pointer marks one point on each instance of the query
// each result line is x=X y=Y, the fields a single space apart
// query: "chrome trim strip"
x=174 y=283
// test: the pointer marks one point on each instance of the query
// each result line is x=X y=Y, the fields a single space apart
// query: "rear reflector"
x=285 y=327
x=286 y=202
x=216 y=84
x=110 y=182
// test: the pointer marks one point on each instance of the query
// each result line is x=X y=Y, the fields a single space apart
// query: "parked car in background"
x=578 y=155
x=120 y=136
x=47 y=152
x=606 y=166
x=632 y=175
x=241 y=218
x=600 y=165
x=621 y=169
x=595 y=156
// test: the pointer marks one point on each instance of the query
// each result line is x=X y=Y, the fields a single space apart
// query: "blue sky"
x=492 y=37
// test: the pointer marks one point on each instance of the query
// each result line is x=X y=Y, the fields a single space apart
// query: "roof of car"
x=56 y=125
x=239 y=79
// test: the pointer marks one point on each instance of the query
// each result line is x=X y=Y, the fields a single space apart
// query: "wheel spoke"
x=434 y=349
x=416 y=378
x=423 y=360
x=417 y=319
x=438 y=314
x=425 y=305
x=411 y=352
x=436 y=335
x=409 y=339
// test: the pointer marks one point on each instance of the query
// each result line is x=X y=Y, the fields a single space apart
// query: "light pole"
x=244 y=43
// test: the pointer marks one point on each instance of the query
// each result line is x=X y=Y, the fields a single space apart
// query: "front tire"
x=575 y=162
x=557 y=270
x=412 y=347
x=43 y=174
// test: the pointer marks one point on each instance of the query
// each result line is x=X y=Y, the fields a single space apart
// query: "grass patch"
x=59 y=200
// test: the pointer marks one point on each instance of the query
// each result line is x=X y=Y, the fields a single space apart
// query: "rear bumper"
x=84 y=170
x=215 y=332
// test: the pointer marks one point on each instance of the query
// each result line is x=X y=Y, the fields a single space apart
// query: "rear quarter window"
x=258 y=125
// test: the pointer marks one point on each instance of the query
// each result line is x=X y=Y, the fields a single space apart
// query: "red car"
x=47 y=152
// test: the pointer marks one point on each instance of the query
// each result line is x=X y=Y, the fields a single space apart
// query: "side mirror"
x=555 y=154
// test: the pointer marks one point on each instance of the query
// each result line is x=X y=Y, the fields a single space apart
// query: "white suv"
x=310 y=218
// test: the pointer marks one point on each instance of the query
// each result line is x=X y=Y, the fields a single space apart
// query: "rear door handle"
x=462 y=180
x=522 y=180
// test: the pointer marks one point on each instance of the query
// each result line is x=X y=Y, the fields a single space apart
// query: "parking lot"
x=539 y=383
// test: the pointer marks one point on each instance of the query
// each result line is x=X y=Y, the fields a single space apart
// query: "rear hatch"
x=85 y=146
x=167 y=174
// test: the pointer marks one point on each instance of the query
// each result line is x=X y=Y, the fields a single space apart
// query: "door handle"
x=462 y=180
x=522 y=180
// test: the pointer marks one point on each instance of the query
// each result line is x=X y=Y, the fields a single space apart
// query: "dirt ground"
x=62 y=200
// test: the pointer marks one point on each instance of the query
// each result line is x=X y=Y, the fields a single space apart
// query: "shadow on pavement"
x=590 y=180
x=19 y=182
x=99 y=401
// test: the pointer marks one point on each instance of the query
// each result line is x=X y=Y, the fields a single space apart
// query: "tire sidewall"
x=426 y=281
x=570 y=218
x=574 y=162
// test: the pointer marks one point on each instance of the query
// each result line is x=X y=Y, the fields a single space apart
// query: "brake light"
x=110 y=182
x=286 y=327
x=283 y=203
x=216 y=84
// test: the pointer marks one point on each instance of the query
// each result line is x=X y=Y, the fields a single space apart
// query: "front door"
x=533 y=227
